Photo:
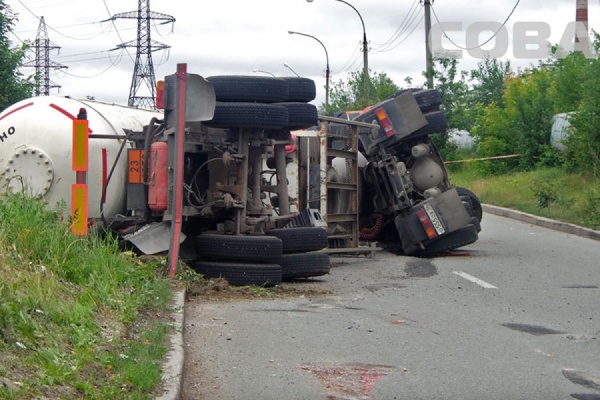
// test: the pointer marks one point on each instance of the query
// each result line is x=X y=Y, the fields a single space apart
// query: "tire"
x=240 y=88
x=475 y=203
x=239 y=274
x=249 y=115
x=427 y=99
x=302 y=239
x=260 y=249
x=304 y=265
x=436 y=122
x=459 y=238
x=300 y=89
x=301 y=115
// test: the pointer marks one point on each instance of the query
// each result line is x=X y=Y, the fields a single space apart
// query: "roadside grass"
x=79 y=318
x=546 y=192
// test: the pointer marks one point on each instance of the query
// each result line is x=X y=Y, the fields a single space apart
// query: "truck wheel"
x=427 y=99
x=302 y=239
x=300 y=89
x=239 y=274
x=459 y=238
x=261 y=249
x=475 y=203
x=436 y=122
x=249 y=115
x=301 y=115
x=241 y=88
x=304 y=265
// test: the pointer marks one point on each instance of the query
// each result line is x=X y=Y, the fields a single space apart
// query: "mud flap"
x=153 y=238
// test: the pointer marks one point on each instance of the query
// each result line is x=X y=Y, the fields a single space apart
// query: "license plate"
x=435 y=221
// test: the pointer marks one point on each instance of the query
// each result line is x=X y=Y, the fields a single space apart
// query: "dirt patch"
x=219 y=289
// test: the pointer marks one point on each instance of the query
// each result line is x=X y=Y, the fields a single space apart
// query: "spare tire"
x=300 y=89
x=301 y=239
x=241 y=88
x=267 y=249
x=304 y=265
x=249 y=115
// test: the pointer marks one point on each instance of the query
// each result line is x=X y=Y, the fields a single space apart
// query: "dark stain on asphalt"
x=378 y=286
x=582 y=379
x=420 y=268
x=532 y=329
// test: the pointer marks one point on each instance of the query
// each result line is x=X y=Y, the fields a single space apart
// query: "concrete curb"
x=172 y=366
x=541 y=221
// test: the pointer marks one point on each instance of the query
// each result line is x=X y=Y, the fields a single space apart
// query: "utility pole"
x=428 y=56
x=143 y=70
x=42 y=62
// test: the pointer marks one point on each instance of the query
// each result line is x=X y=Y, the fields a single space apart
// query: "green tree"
x=583 y=141
x=520 y=123
x=488 y=81
x=13 y=85
x=356 y=94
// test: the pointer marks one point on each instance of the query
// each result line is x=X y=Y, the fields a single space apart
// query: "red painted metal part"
x=158 y=178
x=177 y=204
x=104 y=174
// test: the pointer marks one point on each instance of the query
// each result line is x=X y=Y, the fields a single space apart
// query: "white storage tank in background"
x=36 y=149
x=560 y=130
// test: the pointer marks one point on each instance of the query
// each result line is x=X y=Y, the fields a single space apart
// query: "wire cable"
x=51 y=28
x=482 y=44
x=406 y=22
x=405 y=38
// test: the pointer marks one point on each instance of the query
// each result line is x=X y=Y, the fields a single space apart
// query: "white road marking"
x=475 y=280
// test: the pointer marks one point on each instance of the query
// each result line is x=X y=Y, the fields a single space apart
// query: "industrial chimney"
x=581 y=26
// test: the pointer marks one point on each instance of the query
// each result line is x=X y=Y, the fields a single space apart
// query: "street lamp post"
x=291 y=69
x=327 y=67
x=364 y=43
x=264 y=72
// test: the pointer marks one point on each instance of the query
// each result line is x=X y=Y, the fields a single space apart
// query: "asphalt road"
x=518 y=317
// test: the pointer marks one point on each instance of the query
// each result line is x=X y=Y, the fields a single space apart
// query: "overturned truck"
x=406 y=184
x=218 y=166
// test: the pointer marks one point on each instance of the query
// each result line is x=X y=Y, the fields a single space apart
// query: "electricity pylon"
x=42 y=62
x=143 y=71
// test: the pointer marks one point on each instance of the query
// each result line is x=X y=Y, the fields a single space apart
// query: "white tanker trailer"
x=36 y=150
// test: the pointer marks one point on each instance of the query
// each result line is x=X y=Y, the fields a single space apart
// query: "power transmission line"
x=408 y=20
x=484 y=43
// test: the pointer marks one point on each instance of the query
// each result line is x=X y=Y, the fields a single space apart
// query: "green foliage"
x=521 y=123
x=546 y=192
x=583 y=141
x=453 y=89
x=73 y=310
x=488 y=82
x=13 y=86
x=567 y=83
x=357 y=93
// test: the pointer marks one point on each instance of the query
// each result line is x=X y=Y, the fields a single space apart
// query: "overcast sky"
x=235 y=37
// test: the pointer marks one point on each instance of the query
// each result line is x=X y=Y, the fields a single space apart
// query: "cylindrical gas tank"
x=158 y=164
x=36 y=149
